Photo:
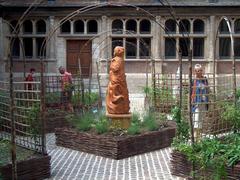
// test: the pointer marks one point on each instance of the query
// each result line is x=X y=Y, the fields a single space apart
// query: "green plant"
x=134 y=129
x=182 y=134
x=149 y=121
x=52 y=97
x=213 y=154
x=33 y=119
x=102 y=124
x=87 y=98
x=232 y=115
x=82 y=123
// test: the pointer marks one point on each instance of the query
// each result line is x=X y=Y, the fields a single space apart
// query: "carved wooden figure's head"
x=119 y=51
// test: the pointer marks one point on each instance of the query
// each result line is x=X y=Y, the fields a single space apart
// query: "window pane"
x=184 y=26
x=131 y=26
x=27 y=27
x=145 y=47
x=198 y=47
x=223 y=27
x=13 y=25
x=224 y=47
x=170 y=26
x=237 y=26
x=41 y=27
x=145 y=27
x=116 y=42
x=237 y=47
x=92 y=27
x=170 y=48
x=198 y=26
x=66 y=27
x=39 y=42
x=16 y=48
x=131 y=48
x=117 y=26
x=28 y=47
x=79 y=26
x=184 y=45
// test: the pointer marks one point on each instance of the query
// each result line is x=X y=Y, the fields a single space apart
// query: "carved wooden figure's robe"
x=117 y=99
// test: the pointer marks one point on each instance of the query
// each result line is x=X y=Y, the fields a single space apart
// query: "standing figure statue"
x=117 y=100
x=200 y=92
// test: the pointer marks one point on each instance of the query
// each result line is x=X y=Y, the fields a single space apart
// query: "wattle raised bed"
x=116 y=147
x=180 y=166
x=37 y=167
x=55 y=119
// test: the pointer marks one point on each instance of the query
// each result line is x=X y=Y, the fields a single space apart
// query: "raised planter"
x=180 y=166
x=38 y=167
x=55 y=119
x=116 y=147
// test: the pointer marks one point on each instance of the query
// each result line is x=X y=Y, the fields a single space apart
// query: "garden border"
x=115 y=147
x=37 y=167
x=180 y=166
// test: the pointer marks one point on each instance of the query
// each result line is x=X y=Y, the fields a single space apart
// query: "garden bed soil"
x=180 y=166
x=115 y=147
x=35 y=167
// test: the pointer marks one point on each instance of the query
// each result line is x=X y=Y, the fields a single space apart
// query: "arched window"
x=92 y=27
x=66 y=27
x=131 y=25
x=170 y=26
x=15 y=48
x=41 y=27
x=237 y=26
x=79 y=26
x=223 y=27
x=145 y=26
x=198 y=26
x=13 y=25
x=27 y=27
x=117 y=26
x=184 y=26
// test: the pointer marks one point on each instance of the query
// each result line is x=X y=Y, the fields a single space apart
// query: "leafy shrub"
x=33 y=119
x=183 y=133
x=82 y=123
x=102 y=124
x=232 y=115
x=134 y=129
x=149 y=122
x=87 y=99
x=52 y=97
x=214 y=154
x=135 y=118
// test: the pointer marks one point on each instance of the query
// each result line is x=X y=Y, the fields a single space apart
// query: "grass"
x=5 y=155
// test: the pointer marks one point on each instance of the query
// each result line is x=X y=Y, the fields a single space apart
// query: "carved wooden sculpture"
x=117 y=99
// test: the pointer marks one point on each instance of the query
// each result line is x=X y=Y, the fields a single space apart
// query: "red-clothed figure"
x=30 y=78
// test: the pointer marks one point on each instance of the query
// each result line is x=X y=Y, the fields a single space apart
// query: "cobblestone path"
x=69 y=164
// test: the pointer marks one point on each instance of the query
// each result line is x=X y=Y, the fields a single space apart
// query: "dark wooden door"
x=79 y=51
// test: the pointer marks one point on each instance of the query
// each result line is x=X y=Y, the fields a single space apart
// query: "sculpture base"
x=120 y=121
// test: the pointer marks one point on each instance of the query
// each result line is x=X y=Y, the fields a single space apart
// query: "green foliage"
x=33 y=119
x=214 y=154
x=232 y=115
x=149 y=122
x=135 y=118
x=134 y=129
x=82 y=123
x=102 y=125
x=52 y=97
x=183 y=133
x=88 y=98
x=5 y=155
